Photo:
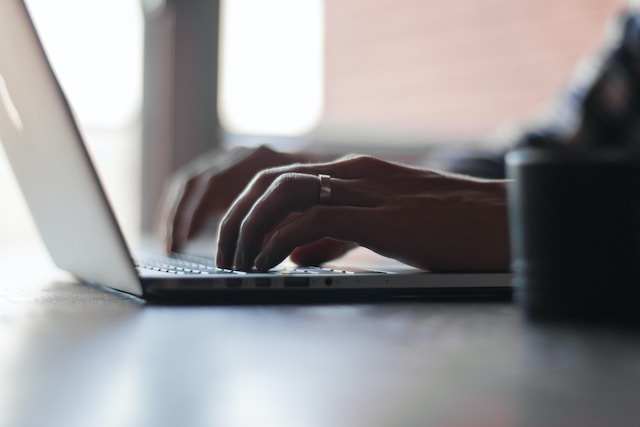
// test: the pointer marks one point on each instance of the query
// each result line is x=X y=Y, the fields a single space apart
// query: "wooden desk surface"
x=72 y=355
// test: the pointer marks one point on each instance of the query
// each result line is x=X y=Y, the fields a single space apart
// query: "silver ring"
x=324 y=197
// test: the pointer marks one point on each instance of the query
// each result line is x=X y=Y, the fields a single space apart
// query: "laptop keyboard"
x=180 y=264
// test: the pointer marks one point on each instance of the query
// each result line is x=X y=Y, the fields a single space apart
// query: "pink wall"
x=462 y=67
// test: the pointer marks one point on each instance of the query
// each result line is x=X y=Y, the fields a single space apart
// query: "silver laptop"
x=47 y=153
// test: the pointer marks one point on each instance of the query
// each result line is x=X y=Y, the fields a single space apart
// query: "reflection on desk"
x=74 y=355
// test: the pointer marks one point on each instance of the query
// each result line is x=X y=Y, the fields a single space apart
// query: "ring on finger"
x=324 y=196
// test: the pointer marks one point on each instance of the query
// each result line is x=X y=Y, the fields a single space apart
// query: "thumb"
x=320 y=251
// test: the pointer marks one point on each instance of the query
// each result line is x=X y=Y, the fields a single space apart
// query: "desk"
x=73 y=355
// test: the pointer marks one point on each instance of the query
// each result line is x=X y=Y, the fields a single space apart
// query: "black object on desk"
x=575 y=229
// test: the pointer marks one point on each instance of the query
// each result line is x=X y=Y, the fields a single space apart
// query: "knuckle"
x=362 y=161
x=285 y=181
x=265 y=177
x=288 y=189
x=189 y=182
x=193 y=185
x=210 y=179
x=263 y=150
x=367 y=160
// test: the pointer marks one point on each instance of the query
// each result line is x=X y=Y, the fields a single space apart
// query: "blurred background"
x=358 y=75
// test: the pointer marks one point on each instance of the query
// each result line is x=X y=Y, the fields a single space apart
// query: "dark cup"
x=575 y=233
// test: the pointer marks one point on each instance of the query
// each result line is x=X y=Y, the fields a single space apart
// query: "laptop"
x=49 y=158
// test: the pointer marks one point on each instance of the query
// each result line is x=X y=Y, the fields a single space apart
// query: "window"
x=271 y=66
x=96 y=51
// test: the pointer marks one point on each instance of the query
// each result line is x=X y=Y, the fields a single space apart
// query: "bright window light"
x=95 y=48
x=271 y=69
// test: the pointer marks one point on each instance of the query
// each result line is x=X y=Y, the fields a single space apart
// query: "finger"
x=179 y=213
x=320 y=251
x=196 y=203
x=232 y=220
x=339 y=223
x=206 y=205
x=230 y=223
x=180 y=196
x=239 y=214
x=289 y=193
x=188 y=211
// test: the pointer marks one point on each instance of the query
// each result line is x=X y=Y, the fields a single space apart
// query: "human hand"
x=205 y=188
x=424 y=218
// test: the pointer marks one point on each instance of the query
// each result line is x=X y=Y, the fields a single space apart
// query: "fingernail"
x=261 y=261
x=220 y=261
x=176 y=241
x=174 y=245
x=238 y=261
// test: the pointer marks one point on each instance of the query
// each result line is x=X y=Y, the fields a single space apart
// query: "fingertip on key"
x=238 y=260
x=221 y=260
x=261 y=262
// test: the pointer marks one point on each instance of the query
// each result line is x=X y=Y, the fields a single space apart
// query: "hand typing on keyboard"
x=425 y=218
x=315 y=212
x=203 y=190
